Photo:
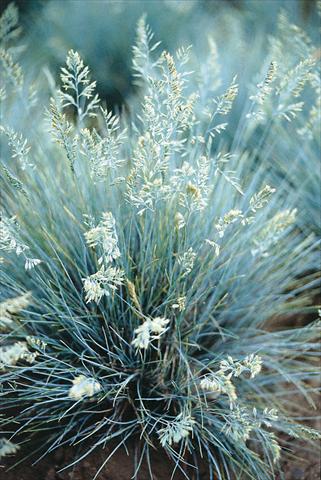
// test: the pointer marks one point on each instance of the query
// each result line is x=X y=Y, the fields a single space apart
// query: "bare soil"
x=303 y=465
x=119 y=467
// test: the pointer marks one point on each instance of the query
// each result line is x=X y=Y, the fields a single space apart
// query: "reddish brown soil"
x=119 y=467
x=299 y=468
x=302 y=466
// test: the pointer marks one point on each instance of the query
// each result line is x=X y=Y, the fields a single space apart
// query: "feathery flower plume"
x=10 y=307
x=178 y=429
x=103 y=282
x=151 y=329
x=83 y=387
x=104 y=236
x=12 y=354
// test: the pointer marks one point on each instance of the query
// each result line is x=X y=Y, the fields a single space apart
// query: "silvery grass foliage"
x=138 y=279
x=284 y=119
x=222 y=48
x=19 y=99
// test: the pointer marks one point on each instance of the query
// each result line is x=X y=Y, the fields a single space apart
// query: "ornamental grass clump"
x=139 y=273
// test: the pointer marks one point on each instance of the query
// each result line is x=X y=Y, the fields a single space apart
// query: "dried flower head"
x=104 y=236
x=103 y=282
x=12 y=354
x=186 y=261
x=176 y=430
x=83 y=387
x=10 y=308
x=151 y=329
x=7 y=448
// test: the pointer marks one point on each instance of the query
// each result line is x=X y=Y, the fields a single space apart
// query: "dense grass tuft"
x=142 y=264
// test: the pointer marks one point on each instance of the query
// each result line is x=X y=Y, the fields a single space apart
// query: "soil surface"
x=303 y=465
x=119 y=467
x=298 y=468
